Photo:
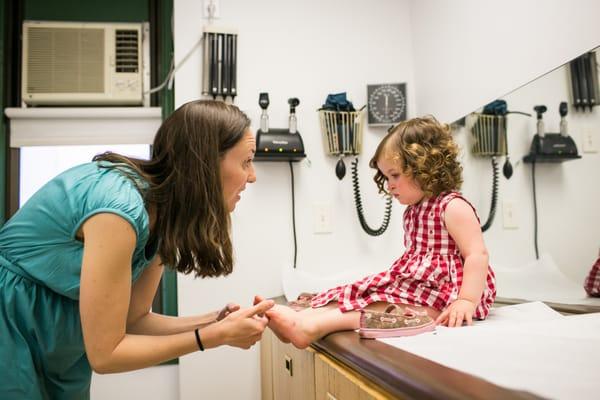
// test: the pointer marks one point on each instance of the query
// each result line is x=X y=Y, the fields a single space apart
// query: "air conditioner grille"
x=65 y=60
x=127 y=50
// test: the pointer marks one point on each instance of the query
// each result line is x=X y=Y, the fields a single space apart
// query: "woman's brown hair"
x=184 y=185
x=426 y=152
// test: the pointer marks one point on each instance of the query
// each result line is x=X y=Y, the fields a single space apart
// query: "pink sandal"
x=302 y=302
x=394 y=321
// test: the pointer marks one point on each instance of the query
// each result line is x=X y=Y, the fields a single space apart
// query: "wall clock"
x=386 y=103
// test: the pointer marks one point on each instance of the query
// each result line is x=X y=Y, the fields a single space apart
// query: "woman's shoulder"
x=101 y=186
x=97 y=185
x=110 y=177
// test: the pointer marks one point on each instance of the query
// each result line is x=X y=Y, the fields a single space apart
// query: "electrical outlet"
x=211 y=9
x=322 y=218
x=590 y=144
x=509 y=216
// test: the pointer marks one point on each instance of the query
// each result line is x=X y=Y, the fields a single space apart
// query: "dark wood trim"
x=406 y=375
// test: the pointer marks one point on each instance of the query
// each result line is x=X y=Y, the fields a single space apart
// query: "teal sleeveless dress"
x=42 y=355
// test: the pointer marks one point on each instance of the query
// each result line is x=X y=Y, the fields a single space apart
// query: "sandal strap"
x=415 y=312
x=404 y=311
x=394 y=309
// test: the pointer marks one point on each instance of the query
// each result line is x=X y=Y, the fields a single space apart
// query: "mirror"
x=567 y=194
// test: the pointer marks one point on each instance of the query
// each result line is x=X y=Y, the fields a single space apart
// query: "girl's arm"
x=463 y=226
x=109 y=242
x=140 y=319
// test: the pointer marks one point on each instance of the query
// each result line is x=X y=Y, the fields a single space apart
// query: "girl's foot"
x=291 y=326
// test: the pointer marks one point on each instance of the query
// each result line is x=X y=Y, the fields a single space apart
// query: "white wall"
x=304 y=49
x=156 y=383
x=567 y=193
x=469 y=52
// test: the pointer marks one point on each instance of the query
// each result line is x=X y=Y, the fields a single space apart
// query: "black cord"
x=294 y=214
x=535 y=217
x=492 y=213
x=359 y=208
x=519 y=112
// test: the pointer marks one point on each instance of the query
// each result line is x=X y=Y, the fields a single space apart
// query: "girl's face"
x=237 y=169
x=402 y=187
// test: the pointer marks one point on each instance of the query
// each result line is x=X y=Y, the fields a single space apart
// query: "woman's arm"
x=109 y=242
x=140 y=319
x=464 y=228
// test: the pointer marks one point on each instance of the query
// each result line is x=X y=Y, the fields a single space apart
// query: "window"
x=39 y=164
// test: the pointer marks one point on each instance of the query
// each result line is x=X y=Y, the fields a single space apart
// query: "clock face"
x=387 y=103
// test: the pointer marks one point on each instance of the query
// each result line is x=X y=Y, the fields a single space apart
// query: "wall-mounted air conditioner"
x=77 y=63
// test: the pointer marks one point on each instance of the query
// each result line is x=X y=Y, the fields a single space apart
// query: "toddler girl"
x=443 y=274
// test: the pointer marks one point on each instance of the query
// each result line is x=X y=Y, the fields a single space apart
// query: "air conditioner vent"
x=65 y=60
x=127 y=54
x=70 y=63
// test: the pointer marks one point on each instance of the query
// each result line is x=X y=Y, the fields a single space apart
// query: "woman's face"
x=402 y=187
x=237 y=169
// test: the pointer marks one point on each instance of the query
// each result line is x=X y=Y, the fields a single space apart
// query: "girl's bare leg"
x=304 y=327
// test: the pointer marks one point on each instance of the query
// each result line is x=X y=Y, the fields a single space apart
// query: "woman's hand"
x=244 y=327
x=228 y=309
x=460 y=310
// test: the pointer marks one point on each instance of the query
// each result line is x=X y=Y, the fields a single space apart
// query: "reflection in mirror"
x=541 y=219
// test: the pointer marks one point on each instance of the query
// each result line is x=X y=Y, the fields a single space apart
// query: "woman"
x=81 y=261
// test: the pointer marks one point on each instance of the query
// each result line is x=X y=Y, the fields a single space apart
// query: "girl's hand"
x=244 y=327
x=460 y=310
x=228 y=309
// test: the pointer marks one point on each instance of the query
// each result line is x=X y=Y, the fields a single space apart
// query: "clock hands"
x=387 y=105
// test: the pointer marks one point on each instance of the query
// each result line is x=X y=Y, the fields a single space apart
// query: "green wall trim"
x=87 y=10
x=167 y=100
x=166 y=55
x=3 y=120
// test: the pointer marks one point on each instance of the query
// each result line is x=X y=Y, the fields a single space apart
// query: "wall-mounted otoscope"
x=293 y=102
x=539 y=112
x=552 y=147
x=562 y=110
x=263 y=102
x=276 y=144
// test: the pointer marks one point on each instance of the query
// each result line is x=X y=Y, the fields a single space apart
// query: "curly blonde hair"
x=426 y=152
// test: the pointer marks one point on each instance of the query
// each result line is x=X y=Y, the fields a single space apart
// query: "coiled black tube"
x=359 y=208
x=492 y=213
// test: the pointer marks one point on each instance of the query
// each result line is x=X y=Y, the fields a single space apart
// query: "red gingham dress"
x=429 y=273
x=592 y=282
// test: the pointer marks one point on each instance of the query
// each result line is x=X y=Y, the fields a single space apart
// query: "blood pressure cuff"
x=592 y=282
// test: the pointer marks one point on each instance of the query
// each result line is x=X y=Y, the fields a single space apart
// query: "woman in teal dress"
x=81 y=261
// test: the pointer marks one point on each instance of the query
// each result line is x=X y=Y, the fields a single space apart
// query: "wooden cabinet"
x=291 y=374
x=286 y=372
x=336 y=382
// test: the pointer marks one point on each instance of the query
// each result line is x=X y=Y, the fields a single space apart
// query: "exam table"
x=343 y=366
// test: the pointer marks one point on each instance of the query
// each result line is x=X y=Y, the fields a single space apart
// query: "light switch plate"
x=322 y=218
x=509 y=215
x=590 y=141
